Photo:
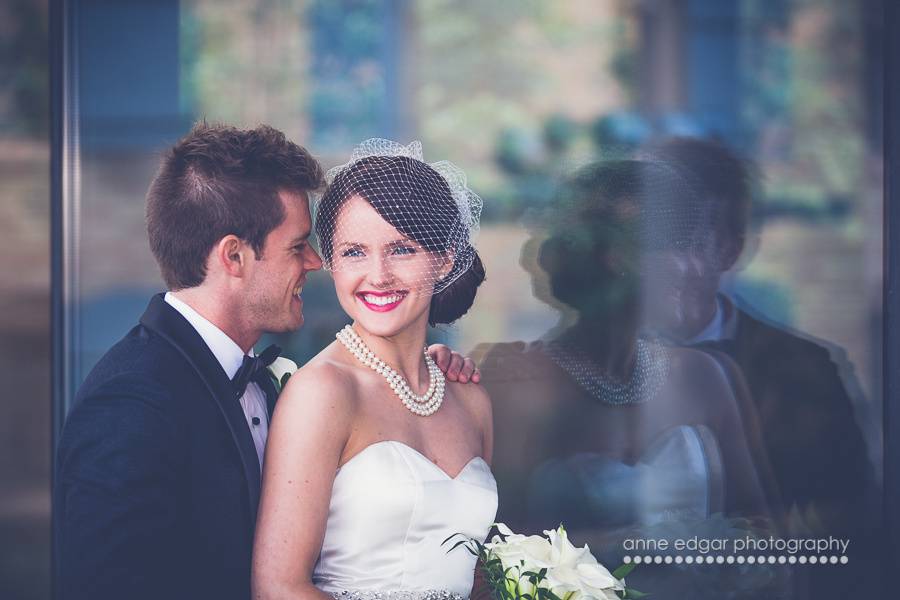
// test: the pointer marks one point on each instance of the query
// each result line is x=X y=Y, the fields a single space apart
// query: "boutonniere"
x=281 y=370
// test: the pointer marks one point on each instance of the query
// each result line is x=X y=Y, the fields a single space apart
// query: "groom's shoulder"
x=126 y=391
x=141 y=362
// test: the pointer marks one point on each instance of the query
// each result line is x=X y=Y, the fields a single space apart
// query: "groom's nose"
x=312 y=261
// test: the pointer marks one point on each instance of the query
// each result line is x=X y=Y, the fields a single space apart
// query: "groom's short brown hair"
x=220 y=180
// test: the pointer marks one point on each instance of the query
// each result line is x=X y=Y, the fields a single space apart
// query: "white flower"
x=282 y=366
x=520 y=553
x=576 y=571
x=572 y=573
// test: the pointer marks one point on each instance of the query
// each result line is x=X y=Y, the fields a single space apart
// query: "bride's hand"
x=455 y=366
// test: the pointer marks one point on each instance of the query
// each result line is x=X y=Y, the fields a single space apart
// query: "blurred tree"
x=245 y=62
x=503 y=88
x=23 y=61
x=803 y=102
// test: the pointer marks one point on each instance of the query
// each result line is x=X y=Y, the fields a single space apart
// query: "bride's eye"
x=403 y=250
x=353 y=252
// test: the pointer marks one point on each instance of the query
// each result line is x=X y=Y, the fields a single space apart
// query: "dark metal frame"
x=891 y=354
x=63 y=140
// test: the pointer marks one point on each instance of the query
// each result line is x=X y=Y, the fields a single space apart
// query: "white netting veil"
x=408 y=225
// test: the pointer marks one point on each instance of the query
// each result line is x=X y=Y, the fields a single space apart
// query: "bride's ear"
x=446 y=265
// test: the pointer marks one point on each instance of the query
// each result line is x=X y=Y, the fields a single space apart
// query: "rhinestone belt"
x=396 y=595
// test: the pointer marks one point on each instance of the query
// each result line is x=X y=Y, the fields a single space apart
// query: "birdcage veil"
x=429 y=205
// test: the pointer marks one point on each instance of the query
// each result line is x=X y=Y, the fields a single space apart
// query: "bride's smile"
x=382 y=301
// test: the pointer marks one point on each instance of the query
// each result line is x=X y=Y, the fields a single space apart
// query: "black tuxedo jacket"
x=157 y=481
x=816 y=449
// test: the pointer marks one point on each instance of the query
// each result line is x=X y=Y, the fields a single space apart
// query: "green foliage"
x=24 y=61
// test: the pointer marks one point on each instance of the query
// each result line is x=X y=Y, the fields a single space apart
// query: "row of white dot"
x=736 y=559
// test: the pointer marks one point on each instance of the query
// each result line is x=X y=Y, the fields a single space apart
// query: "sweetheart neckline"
x=418 y=453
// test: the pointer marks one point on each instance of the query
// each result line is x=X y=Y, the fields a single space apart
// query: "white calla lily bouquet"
x=520 y=567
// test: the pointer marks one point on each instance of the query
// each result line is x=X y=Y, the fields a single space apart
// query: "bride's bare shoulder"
x=326 y=382
x=698 y=368
x=692 y=361
x=474 y=397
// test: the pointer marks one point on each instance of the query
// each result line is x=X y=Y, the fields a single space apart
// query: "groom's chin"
x=292 y=323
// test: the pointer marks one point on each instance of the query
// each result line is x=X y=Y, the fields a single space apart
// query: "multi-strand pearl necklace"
x=424 y=405
x=651 y=367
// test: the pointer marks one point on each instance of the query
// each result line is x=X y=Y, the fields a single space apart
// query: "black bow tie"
x=253 y=368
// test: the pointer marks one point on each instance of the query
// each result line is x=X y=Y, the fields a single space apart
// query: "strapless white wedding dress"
x=391 y=509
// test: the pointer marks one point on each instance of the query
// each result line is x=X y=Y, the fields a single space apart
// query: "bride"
x=373 y=460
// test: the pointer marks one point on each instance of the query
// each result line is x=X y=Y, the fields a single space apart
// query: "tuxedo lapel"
x=166 y=322
x=749 y=339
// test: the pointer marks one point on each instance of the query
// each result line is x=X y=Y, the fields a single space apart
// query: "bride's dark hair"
x=605 y=217
x=398 y=187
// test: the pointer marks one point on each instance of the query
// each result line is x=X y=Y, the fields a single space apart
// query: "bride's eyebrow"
x=401 y=242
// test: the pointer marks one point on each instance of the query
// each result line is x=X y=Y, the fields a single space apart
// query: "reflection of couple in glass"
x=658 y=408
x=608 y=427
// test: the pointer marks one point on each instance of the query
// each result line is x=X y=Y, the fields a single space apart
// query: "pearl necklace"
x=651 y=368
x=424 y=405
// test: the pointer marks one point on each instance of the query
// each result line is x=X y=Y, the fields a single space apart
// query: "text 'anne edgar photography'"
x=748 y=544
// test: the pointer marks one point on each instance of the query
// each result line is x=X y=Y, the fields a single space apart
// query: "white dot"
x=772 y=560
x=844 y=560
x=802 y=560
x=729 y=560
x=689 y=560
x=782 y=560
x=834 y=560
x=648 y=559
x=709 y=560
x=792 y=559
x=740 y=560
x=699 y=560
x=626 y=559
x=720 y=560
x=657 y=560
x=637 y=560
x=669 y=560
x=813 y=559
x=679 y=559
x=751 y=560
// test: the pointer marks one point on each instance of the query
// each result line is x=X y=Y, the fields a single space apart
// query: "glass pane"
x=681 y=326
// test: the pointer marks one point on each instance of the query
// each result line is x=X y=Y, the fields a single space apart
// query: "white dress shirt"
x=230 y=356
x=723 y=325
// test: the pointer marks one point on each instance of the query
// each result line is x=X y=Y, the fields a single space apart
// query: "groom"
x=158 y=465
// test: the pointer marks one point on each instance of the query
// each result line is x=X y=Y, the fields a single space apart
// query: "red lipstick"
x=381 y=301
